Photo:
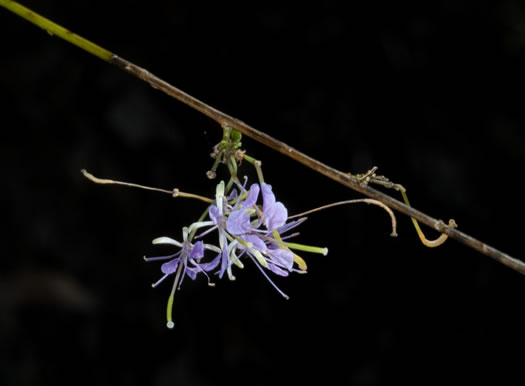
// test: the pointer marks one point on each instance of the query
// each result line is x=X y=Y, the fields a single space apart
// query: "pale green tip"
x=307 y=248
x=169 y=312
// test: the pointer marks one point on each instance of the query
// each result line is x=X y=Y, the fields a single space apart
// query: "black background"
x=431 y=93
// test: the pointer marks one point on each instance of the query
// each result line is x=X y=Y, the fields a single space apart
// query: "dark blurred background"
x=432 y=93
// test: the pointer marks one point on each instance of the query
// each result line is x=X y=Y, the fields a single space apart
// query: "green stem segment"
x=169 y=312
x=169 y=308
x=55 y=29
x=306 y=248
x=257 y=165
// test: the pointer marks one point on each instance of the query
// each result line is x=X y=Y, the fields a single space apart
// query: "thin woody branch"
x=226 y=120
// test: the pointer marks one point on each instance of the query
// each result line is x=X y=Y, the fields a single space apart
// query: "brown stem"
x=365 y=200
x=336 y=175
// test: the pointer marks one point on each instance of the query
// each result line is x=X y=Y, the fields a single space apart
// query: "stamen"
x=210 y=283
x=183 y=271
x=290 y=236
x=237 y=259
x=148 y=259
x=270 y=280
x=232 y=258
x=159 y=281
x=201 y=235
x=289 y=226
x=243 y=192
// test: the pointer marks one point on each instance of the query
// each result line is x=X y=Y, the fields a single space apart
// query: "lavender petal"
x=238 y=222
x=257 y=242
x=268 y=196
x=251 y=199
x=197 y=251
x=214 y=214
x=170 y=266
x=281 y=257
x=275 y=216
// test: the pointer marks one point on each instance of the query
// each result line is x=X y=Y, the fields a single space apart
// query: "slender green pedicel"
x=55 y=29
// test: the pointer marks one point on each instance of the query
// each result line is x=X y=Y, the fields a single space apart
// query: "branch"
x=226 y=120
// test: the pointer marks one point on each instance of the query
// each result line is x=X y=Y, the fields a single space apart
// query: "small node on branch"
x=365 y=178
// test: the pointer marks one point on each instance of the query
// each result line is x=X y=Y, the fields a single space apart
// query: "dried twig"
x=174 y=193
x=365 y=200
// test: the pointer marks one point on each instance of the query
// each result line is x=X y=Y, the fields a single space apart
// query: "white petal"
x=212 y=247
x=166 y=240
x=219 y=196
x=200 y=224
x=260 y=258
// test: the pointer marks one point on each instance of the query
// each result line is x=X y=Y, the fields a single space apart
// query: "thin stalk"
x=257 y=165
x=346 y=202
x=174 y=193
x=57 y=30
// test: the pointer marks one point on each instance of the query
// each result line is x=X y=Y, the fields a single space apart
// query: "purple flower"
x=187 y=261
x=276 y=259
x=263 y=246
x=260 y=242
x=274 y=213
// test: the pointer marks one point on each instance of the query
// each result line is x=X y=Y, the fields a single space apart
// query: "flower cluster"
x=244 y=229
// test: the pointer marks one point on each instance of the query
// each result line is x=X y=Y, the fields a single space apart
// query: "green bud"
x=223 y=144
x=236 y=136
